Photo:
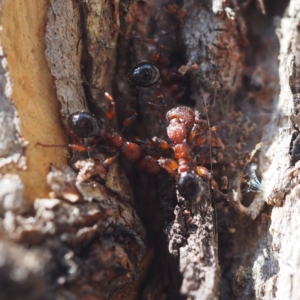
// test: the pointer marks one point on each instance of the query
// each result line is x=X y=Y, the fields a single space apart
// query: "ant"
x=84 y=125
x=186 y=130
x=156 y=70
x=84 y=128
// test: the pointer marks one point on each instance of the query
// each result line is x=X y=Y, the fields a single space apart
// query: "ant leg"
x=110 y=160
x=161 y=143
x=156 y=57
x=127 y=122
x=169 y=165
x=145 y=41
x=203 y=172
x=161 y=98
x=76 y=147
x=152 y=42
x=110 y=114
x=194 y=132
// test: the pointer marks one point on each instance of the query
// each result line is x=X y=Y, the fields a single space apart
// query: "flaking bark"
x=89 y=238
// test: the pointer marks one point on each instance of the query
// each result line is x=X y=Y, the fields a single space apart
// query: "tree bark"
x=70 y=232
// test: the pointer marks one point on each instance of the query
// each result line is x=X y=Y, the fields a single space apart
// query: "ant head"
x=183 y=114
x=189 y=185
x=144 y=74
x=83 y=124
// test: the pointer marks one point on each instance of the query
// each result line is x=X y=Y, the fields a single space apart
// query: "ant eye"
x=83 y=124
x=144 y=74
x=189 y=185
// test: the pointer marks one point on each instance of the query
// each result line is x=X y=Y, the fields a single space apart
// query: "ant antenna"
x=209 y=129
x=210 y=158
x=112 y=110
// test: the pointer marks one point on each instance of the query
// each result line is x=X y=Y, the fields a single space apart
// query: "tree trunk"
x=76 y=227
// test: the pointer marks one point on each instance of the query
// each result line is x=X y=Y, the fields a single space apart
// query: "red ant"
x=84 y=125
x=185 y=130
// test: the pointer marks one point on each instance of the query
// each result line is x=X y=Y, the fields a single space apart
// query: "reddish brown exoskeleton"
x=84 y=125
x=186 y=130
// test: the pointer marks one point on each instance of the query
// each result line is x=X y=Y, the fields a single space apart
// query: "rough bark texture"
x=272 y=272
x=108 y=237
x=31 y=90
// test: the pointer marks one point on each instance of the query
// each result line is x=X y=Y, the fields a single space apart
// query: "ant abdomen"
x=144 y=75
x=190 y=186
